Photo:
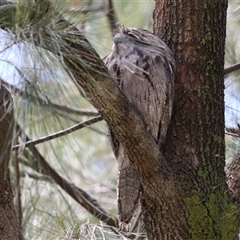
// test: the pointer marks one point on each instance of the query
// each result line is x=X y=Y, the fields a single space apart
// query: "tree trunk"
x=195 y=150
x=9 y=227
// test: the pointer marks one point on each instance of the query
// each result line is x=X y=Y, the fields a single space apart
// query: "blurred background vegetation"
x=232 y=81
x=83 y=157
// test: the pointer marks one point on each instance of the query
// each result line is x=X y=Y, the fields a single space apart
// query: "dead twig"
x=232 y=68
x=59 y=134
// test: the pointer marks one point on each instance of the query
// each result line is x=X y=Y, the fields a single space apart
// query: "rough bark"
x=195 y=30
x=9 y=227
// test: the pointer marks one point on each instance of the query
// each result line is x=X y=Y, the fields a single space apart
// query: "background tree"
x=9 y=223
x=185 y=194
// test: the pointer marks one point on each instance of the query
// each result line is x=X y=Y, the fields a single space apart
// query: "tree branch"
x=235 y=132
x=59 y=134
x=232 y=134
x=37 y=176
x=232 y=68
x=110 y=14
x=76 y=193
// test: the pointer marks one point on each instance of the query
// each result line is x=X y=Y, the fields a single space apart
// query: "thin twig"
x=37 y=176
x=76 y=193
x=232 y=134
x=59 y=134
x=235 y=132
x=232 y=68
x=111 y=14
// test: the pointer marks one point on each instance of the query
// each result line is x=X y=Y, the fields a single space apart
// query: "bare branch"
x=110 y=13
x=232 y=68
x=37 y=176
x=232 y=134
x=235 y=132
x=60 y=133
x=76 y=193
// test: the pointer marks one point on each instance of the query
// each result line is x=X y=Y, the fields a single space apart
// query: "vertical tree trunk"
x=9 y=227
x=195 y=150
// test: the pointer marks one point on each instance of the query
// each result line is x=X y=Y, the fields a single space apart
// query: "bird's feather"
x=143 y=68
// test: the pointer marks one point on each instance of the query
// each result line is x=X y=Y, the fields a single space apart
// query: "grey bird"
x=143 y=67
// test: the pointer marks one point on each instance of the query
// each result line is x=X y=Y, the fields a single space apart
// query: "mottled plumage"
x=143 y=67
